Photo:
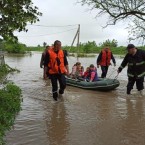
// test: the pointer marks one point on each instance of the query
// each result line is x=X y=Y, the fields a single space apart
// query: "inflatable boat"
x=101 y=85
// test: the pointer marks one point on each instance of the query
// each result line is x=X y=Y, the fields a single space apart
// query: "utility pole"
x=77 y=35
x=78 y=42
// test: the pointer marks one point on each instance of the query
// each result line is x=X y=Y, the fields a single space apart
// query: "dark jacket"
x=42 y=59
x=136 y=64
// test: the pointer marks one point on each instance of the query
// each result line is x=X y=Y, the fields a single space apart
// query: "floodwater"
x=81 y=117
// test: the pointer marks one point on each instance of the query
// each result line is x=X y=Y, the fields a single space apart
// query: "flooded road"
x=81 y=117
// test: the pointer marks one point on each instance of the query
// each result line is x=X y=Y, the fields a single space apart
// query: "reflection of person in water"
x=58 y=125
x=134 y=122
x=135 y=109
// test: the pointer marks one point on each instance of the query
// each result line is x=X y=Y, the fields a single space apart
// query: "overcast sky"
x=67 y=12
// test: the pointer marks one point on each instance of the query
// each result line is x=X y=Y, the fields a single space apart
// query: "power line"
x=53 y=25
x=49 y=34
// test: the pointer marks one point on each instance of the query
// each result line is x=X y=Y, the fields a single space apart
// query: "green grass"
x=35 y=49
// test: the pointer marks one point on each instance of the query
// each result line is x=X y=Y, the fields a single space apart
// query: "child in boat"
x=93 y=73
x=90 y=75
x=76 y=70
x=86 y=74
x=82 y=71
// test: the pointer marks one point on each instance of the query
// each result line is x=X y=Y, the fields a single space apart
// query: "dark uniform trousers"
x=139 y=84
x=62 y=83
x=104 y=71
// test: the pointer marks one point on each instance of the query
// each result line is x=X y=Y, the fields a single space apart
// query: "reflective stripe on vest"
x=121 y=67
x=130 y=75
x=138 y=76
x=140 y=63
x=56 y=62
x=141 y=75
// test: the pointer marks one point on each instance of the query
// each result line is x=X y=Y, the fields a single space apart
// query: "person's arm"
x=113 y=59
x=123 y=64
x=66 y=64
x=143 y=55
x=46 y=61
x=41 y=61
x=99 y=59
x=92 y=76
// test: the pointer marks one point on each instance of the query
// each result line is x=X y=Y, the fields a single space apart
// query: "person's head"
x=91 y=67
x=87 y=69
x=82 y=68
x=57 y=45
x=47 y=47
x=131 y=49
x=78 y=65
x=106 y=48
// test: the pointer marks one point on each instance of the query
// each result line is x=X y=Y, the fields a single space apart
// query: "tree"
x=1 y=44
x=14 y=15
x=119 y=10
x=111 y=43
x=44 y=44
x=38 y=45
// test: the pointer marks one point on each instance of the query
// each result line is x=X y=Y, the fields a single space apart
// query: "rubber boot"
x=55 y=96
x=128 y=91
x=61 y=92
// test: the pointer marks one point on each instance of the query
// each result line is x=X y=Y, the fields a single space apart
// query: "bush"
x=10 y=105
x=14 y=47
x=111 y=43
x=5 y=69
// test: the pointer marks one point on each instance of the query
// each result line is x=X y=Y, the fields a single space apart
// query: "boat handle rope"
x=116 y=77
x=112 y=72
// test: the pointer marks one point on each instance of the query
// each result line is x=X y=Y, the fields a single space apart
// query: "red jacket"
x=106 y=58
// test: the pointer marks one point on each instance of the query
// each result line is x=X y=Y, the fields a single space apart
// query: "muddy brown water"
x=81 y=117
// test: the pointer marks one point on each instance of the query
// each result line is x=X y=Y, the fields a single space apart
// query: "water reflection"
x=105 y=106
x=133 y=124
x=57 y=125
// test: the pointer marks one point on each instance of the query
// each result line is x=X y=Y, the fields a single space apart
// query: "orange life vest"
x=106 y=58
x=56 y=62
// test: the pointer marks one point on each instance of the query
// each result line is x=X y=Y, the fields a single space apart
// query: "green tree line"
x=87 y=47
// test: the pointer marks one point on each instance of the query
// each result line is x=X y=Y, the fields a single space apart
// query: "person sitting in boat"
x=86 y=74
x=82 y=70
x=76 y=70
x=93 y=73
